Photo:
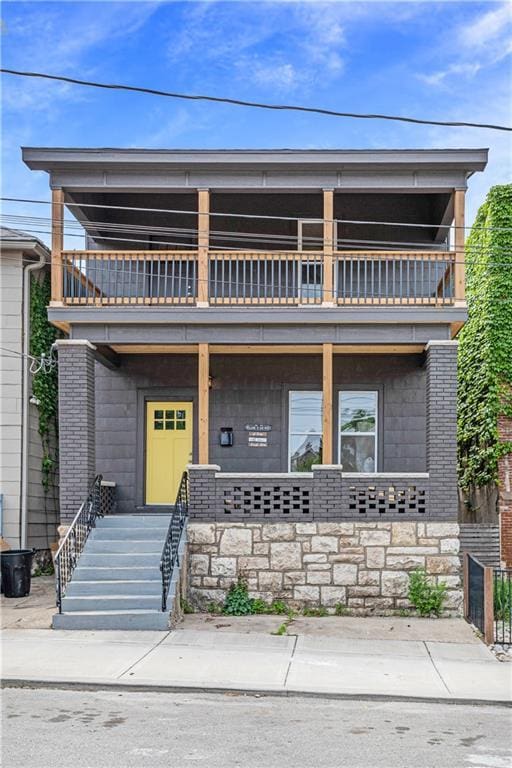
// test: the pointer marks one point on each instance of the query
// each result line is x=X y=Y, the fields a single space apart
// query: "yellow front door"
x=168 y=449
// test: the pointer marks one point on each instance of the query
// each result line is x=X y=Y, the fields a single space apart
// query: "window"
x=169 y=420
x=358 y=431
x=305 y=431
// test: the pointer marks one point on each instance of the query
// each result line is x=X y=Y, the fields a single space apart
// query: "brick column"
x=76 y=425
x=442 y=427
x=202 y=503
x=505 y=493
x=327 y=491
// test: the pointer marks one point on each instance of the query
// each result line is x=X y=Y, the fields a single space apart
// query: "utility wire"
x=180 y=246
x=253 y=215
x=191 y=232
x=361 y=246
x=27 y=222
x=253 y=104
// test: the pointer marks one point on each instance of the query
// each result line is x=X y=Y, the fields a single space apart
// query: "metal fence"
x=475 y=587
x=502 y=605
x=488 y=600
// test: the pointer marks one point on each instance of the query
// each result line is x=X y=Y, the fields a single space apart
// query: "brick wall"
x=442 y=426
x=76 y=425
x=323 y=494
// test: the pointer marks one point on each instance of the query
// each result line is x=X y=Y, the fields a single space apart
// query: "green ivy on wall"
x=485 y=348
x=44 y=383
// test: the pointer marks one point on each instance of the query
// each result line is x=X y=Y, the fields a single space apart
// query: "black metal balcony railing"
x=106 y=278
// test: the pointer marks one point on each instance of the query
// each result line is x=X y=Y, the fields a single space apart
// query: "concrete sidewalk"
x=208 y=659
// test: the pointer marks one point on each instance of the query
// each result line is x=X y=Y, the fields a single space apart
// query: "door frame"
x=156 y=394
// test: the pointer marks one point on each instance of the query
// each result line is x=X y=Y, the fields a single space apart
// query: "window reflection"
x=358 y=431
x=305 y=430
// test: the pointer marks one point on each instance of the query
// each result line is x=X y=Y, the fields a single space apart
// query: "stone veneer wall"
x=364 y=566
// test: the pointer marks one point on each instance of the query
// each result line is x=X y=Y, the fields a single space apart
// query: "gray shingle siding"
x=253 y=391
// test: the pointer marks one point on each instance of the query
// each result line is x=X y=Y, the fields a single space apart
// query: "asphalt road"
x=101 y=729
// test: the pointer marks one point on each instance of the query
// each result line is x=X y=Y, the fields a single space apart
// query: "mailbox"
x=226 y=437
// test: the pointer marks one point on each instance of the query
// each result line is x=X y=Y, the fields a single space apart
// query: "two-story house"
x=282 y=323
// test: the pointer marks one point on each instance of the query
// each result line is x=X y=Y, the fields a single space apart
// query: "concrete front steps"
x=117 y=583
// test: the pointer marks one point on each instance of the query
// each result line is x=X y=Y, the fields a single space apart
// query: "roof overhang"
x=265 y=170
x=24 y=244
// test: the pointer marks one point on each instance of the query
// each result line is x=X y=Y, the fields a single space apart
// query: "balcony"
x=259 y=278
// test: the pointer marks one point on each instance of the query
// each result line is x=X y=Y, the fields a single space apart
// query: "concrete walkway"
x=204 y=658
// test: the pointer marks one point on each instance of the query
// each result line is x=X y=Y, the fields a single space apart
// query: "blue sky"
x=446 y=60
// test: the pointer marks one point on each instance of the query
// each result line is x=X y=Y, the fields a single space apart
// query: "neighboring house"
x=29 y=514
x=254 y=314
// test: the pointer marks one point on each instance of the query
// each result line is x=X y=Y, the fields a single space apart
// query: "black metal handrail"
x=73 y=542
x=170 y=553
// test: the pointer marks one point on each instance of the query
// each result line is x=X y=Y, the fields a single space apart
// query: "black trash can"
x=16 y=567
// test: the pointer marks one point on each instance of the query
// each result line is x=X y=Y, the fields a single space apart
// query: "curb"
x=256 y=692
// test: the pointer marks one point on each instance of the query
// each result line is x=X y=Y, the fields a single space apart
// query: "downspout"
x=27 y=272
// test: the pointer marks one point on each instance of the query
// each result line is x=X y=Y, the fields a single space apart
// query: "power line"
x=28 y=222
x=179 y=245
x=360 y=245
x=253 y=104
x=150 y=230
x=253 y=215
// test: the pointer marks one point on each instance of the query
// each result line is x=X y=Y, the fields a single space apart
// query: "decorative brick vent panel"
x=365 y=566
x=325 y=494
x=267 y=500
x=380 y=499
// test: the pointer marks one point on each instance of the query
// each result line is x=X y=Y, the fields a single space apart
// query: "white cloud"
x=278 y=76
x=59 y=39
x=482 y=43
x=438 y=78
x=276 y=46
x=488 y=27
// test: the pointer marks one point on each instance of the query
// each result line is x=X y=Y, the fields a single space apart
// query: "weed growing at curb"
x=185 y=606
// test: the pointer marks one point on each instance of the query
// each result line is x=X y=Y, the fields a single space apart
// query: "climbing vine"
x=485 y=349
x=44 y=383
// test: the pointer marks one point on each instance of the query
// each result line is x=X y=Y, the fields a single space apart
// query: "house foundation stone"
x=308 y=565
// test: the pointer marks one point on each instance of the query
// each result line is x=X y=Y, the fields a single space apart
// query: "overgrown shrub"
x=427 y=598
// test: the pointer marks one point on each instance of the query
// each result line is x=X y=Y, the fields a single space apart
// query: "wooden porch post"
x=203 y=388
x=328 y=294
x=327 y=404
x=488 y=605
x=460 y=267
x=57 y=244
x=203 y=238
